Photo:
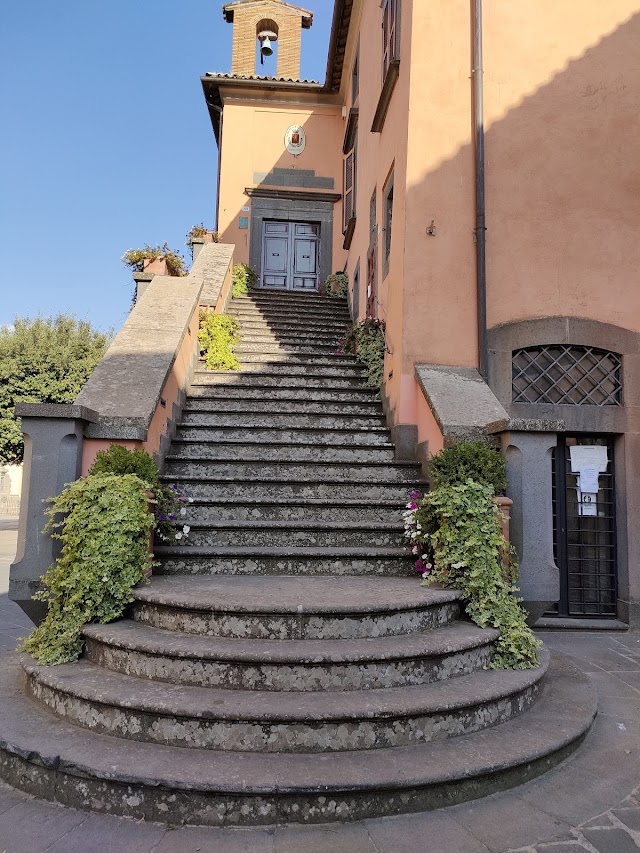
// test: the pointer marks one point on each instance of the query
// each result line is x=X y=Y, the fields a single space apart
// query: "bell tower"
x=268 y=24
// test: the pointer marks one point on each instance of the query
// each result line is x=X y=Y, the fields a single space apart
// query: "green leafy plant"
x=469 y=459
x=135 y=258
x=218 y=335
x=105 y=553
x=168 y=502
x=43 y=360
x=197 y=232
x=455 y=532
x=366 y=340
x=336 y=285
x=244 y=278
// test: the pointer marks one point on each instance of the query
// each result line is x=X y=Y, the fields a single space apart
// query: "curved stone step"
x=328 y=534
x=275 y=489
x=259 y=436
x=285 y=721
x=313 y=512
x=132 y=648
x=285 y=326
x=294 y=607
x=231 y=560
x=308 y=471
x=299 y=335
x=231 y=420
x=184 y=449
x=333 y=360
x=313 y=348
x=47 y=757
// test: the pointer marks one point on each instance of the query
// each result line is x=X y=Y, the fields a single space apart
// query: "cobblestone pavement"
x=589 y=803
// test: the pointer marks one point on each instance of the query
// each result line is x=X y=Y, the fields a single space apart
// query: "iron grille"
x=568 y=375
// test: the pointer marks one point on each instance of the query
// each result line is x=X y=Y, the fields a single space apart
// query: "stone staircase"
x=284 y=665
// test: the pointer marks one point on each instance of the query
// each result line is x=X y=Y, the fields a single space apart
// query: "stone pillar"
x=53 y=435
x=528 y=460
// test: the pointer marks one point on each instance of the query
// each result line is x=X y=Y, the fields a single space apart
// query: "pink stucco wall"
x=253 y=141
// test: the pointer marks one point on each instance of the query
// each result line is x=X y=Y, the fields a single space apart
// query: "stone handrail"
x=133 y=398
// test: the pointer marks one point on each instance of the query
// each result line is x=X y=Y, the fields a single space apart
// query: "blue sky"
x=106 y=143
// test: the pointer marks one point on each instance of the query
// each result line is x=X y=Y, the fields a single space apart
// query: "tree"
x=46 y=360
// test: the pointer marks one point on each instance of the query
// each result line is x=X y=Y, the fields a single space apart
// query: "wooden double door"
x=290 y=253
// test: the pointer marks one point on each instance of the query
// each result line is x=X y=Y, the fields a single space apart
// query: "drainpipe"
x=481 y=227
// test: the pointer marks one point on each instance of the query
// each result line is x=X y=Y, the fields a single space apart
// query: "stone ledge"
x=525 y=425
x=69 y=411
x=460 y=400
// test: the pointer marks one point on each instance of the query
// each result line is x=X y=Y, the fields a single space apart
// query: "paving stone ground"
x=589 y=803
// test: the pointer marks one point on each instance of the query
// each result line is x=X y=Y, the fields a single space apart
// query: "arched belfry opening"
x=267 y=37
x=267 y=32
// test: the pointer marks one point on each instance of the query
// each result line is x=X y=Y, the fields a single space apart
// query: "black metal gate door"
x=585 y=534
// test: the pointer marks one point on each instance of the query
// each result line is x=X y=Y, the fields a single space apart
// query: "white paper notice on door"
x=588 y=479
x=588 y=456
x=587 y=503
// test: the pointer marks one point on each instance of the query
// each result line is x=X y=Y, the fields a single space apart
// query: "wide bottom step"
x=49 y=758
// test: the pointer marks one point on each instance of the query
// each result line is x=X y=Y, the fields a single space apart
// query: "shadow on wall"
x=563 y=210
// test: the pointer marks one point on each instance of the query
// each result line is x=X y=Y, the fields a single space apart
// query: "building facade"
x=471 y=167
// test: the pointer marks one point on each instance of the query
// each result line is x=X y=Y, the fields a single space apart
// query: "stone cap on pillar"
x=526 y=425
x=69 y=411
x=461 y=401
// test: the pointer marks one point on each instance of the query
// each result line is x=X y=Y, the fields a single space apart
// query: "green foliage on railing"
x=104 y=530
x=366 y=340
x=336 y=285
x=456 y=529
x=244 y=278
x=135 y=258
x=469 y=460
x=218 y=335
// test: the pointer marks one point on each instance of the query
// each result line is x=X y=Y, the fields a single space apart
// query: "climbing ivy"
x=336 y=285
x=457 y=533
x=218 y=335
x=243 y=279
x=366 y=340
x=104 y=530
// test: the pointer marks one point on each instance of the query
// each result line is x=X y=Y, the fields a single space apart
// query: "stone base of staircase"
x=284 y=665
x=57 y=761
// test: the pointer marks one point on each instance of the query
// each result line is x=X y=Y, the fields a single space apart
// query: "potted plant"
x=159 y=260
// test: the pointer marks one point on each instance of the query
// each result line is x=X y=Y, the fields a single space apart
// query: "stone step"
x=286 y=407
x=258 y=294
x=48 y=757
x=259 y=452
x=294 y=608
x=311 y=511
x=333 y=360
x=132 y=648
x=285 y=422
x=284 y=348
x=266 y=470
x=299 y=336
x=354 y=394
x=287 y=721
x=238 y=379
x=277 y=490
x=240 y=433
x=290 y=307
x=328 y=534
x=285 y=368
x=303 y=561
x=283 y=327
x=292 y=314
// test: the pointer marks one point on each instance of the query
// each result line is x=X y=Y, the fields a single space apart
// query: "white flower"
x=186 y=529
x=183 y=511
x=425 y=574
x=415 y=549
x=190 y=500
x=178 y=535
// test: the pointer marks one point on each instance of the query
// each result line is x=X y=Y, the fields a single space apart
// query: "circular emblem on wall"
x=295 y=140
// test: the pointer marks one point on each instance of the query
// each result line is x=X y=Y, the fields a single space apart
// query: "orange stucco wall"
x=253 y=141
x=562 y=99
